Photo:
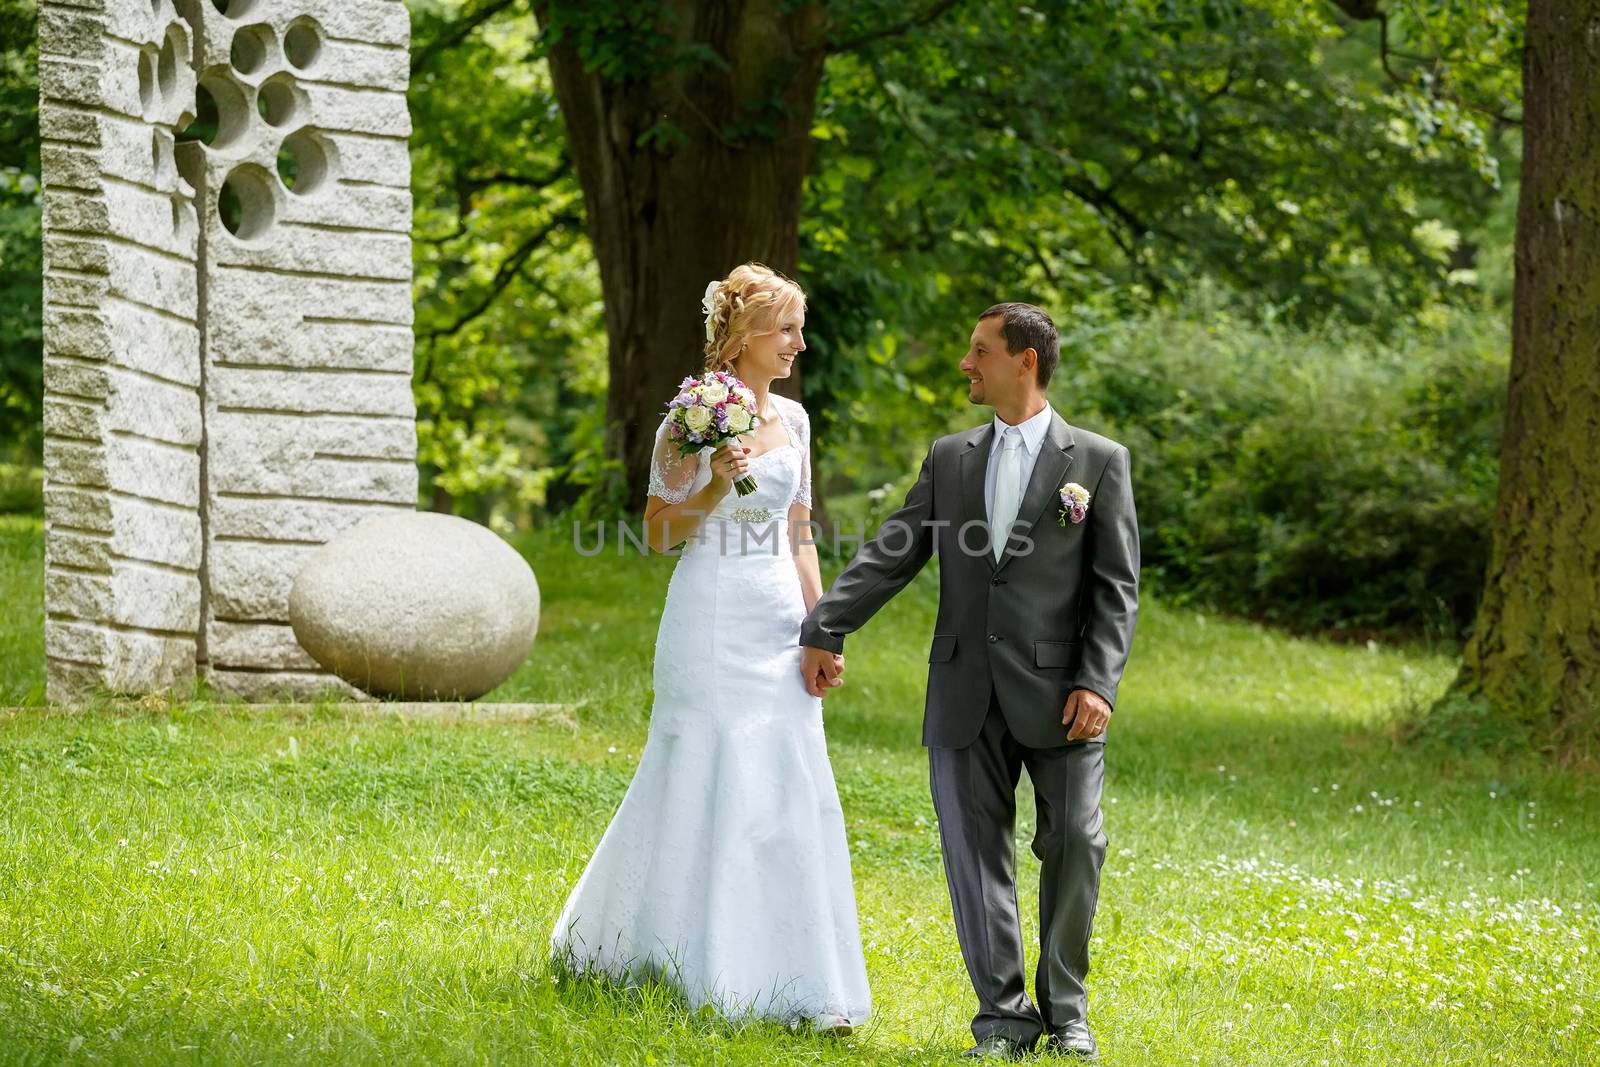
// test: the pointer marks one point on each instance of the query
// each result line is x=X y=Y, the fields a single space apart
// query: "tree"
x=690 y=127
x=510 y=362
x=21 y=259
x=1059 y=149
x=1534 y=656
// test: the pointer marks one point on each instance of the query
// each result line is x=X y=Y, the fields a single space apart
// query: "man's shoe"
x=997 y=1047
x=1075 y=1042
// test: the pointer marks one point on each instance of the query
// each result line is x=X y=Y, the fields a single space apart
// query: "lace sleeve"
x=800 y=425
x=672 y=474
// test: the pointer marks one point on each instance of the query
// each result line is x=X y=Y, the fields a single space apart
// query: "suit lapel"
x=974 y=462
x=1049 y=470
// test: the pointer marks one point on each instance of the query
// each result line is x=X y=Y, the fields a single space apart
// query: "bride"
x=725 y=869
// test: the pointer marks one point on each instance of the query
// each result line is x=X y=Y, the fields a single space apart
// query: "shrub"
x=1320 y=482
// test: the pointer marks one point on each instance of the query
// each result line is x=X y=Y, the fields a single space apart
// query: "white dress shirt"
x=1033 y=431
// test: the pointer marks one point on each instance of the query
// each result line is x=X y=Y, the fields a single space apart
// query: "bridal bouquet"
x=709 y=411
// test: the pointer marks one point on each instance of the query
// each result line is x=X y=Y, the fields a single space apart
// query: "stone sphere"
x=417 y=605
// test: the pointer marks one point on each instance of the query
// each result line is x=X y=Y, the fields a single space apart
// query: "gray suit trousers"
x=974 y=795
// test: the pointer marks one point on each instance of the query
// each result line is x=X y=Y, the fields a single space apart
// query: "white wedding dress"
x=725 y=870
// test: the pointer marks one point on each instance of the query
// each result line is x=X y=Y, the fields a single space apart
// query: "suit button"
x=993 y=638
x=994 y=581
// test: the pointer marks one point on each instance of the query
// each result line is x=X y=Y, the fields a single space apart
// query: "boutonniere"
x=1074 y=503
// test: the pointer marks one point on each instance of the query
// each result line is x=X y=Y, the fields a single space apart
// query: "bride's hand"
x=729 y=464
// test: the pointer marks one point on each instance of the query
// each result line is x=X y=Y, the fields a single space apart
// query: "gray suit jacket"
x=1054 y=614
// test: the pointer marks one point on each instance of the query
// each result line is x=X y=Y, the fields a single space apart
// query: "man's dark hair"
x=1026 y=326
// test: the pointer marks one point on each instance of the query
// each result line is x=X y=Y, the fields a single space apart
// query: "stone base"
x=563 y=715
x=444 y=712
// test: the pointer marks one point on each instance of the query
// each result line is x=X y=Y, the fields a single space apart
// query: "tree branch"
x=474 y=183
x=899 y=108
x=923 y=18
x=459 y=32
x=1369 y=11
x=444 y=239
x=467 y=186
x=463 y=200
x=504 y=274
x=1113 y=231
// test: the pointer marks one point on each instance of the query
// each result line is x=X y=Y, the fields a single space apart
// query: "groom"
x=1032 y=634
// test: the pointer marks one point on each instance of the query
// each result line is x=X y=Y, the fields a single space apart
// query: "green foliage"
x=1100 y=157
x=1132 y=148
x=1319 y=480
x=1454 y=71
x=623 y=40
x=21 y=257
x=1108 y=159
x=510 y=349
x=21 y=488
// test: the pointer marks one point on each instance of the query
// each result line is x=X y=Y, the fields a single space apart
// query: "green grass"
x=197 y=882
x=22 y=616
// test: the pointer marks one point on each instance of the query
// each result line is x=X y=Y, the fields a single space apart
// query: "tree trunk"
x=1534 y=656
x=688 y=168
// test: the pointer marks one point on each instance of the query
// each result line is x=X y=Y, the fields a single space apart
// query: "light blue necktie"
x=1007 y=488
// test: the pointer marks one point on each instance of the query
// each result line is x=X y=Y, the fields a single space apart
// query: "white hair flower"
x=708 y=304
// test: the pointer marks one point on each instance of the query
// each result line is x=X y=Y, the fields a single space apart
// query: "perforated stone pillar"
x=253 y=350
x=305 y=265
x=122 y=415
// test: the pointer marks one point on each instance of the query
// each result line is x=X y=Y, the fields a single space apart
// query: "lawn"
x=200 y=882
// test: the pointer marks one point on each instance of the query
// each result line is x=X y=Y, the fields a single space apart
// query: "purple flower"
x=1077 y=513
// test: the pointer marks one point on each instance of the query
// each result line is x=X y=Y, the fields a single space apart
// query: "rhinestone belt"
x=750 y=514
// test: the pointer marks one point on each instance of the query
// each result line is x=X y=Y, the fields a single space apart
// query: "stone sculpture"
x=419 y=606
x=228 y=341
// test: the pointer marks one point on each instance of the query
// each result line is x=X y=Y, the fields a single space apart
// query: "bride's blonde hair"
x=752 y=299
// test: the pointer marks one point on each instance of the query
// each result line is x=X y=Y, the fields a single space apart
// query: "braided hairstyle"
x=752 y=299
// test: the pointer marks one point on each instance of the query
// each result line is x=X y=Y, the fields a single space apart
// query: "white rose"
x=714 y=392
x=739 y=419
x=698 y=419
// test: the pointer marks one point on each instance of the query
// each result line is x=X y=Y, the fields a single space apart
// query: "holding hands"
x=821 y=670
x=1085 y=715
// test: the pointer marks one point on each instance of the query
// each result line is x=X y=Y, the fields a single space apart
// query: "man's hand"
x=1085 y=715
x=820 y=669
